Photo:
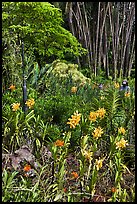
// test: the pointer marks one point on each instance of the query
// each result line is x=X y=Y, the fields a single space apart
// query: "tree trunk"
x=113 y=40
x=127 y=55
x=97 y=34
x=101 y=35
x=132 y=56
x=105 y=56
x=128 y=30
x=84 y=31
x=71 y=25
x=89 y=38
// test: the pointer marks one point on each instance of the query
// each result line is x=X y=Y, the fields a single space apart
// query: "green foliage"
x=112 y=101
x=63 y=70
x=40 y=25
x=46 y=123
x=8 y=182
x=71 y=172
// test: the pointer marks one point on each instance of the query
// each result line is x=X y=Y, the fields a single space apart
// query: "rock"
x=23 y=156
x=15 y=159
x=25 y=153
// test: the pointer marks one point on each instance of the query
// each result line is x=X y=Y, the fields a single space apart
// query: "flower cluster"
x=74 y=89
x=93 y=116
x=121 y=130
x=87 y=154
x=121 y=144
x=30 y=103
x=74 y=174
x=116 y=85
x=12 y=87
x=113 y=190
x=99 y=113
x=99 y=163
x=15 y=106
x=27 y=167
x=59 y=143
x=127 y=94
x=74 y=120
x=97 y=132
x=28 y=171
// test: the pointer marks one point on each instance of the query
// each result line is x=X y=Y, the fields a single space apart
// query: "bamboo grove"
x=107 y=31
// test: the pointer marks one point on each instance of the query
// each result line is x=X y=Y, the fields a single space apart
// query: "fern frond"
x=113 y=101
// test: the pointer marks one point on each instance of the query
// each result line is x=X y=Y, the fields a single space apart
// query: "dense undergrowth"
x=89 y=135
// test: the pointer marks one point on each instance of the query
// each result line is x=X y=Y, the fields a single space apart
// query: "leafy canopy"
x=40 y=25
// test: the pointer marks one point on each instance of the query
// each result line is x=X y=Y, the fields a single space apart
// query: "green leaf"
x=36 y=74
x=59 y=196
x=116 y=176
x=29 y=116
x=38 y=144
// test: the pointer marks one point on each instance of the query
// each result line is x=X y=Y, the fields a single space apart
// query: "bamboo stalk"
x=132 y=56
x=89 y=38
x=96 y=46
x=113 y=41
x=71 y=24
x=101 y=35
x=84 y=31
x=128 y=30
x=105 y=58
